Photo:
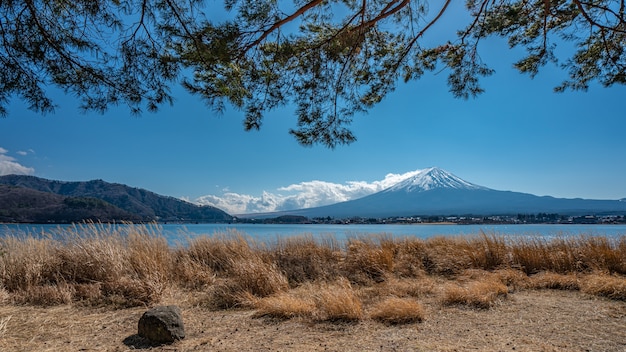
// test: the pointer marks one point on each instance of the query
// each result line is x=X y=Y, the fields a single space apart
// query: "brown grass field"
x=87 y=290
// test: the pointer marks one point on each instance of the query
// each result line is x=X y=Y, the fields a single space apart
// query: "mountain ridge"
x=25 y=205
x=144 y=204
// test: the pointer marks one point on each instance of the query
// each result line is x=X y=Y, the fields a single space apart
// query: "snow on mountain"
x=433 y=178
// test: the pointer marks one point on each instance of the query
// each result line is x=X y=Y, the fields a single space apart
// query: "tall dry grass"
x=238 y=268
x=369 y=259
x=99 y=264
x=248 y=279
x=305 y=258
x=124 y=265
x=570 y=254
x=337 y=301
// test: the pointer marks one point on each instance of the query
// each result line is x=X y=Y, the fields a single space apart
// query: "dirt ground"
x=544 y=320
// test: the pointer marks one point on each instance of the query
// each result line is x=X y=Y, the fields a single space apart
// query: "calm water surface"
x=178 y=233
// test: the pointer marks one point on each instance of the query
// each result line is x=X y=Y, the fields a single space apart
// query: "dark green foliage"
x=94 y=49
x=332 y=59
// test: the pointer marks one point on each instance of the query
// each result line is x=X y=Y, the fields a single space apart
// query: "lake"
x=180 y=233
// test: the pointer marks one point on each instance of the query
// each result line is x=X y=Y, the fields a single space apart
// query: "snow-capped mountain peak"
x=432 y=178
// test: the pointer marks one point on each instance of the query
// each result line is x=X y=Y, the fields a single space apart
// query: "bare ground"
x=534 y=320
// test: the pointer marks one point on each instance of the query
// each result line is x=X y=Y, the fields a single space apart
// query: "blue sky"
x=517 y=136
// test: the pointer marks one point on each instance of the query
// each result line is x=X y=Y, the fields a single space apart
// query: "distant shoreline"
x=308 y=223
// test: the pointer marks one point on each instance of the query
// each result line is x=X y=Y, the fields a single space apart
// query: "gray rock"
x=162 y=325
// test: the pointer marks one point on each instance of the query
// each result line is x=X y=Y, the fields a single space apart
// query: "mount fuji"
x=434 y=191
x=432 y=178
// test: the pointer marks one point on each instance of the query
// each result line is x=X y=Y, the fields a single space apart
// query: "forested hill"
x=120 y=201
x=25 y=205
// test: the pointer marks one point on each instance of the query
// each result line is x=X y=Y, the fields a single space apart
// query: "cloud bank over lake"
x=305 y=194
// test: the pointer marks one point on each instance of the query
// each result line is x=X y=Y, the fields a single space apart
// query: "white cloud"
x=306 y=194
x=9 y=165
x=235 y=203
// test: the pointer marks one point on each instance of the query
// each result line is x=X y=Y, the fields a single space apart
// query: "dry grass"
x=446 y=256
x=132 y=265
x=415 y=287
x=191 y=274
x=409 y=259
x=532 y=320
x=610 y=286
x=219 y=252
x=26 y=263
x=285 y=305
x=570 y=254
x=477 y=294
x=125 y=265
x=395 y=310
x=307 y=259
x=3 y=324
x=249 y=279
x=514 y=279
x=336 y=301
x=555 y=281
x=356 y=284
x=48 y=295
x=369 y=259
x=5 y=296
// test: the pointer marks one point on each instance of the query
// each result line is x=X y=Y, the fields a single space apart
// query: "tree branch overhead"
x=331 y=59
